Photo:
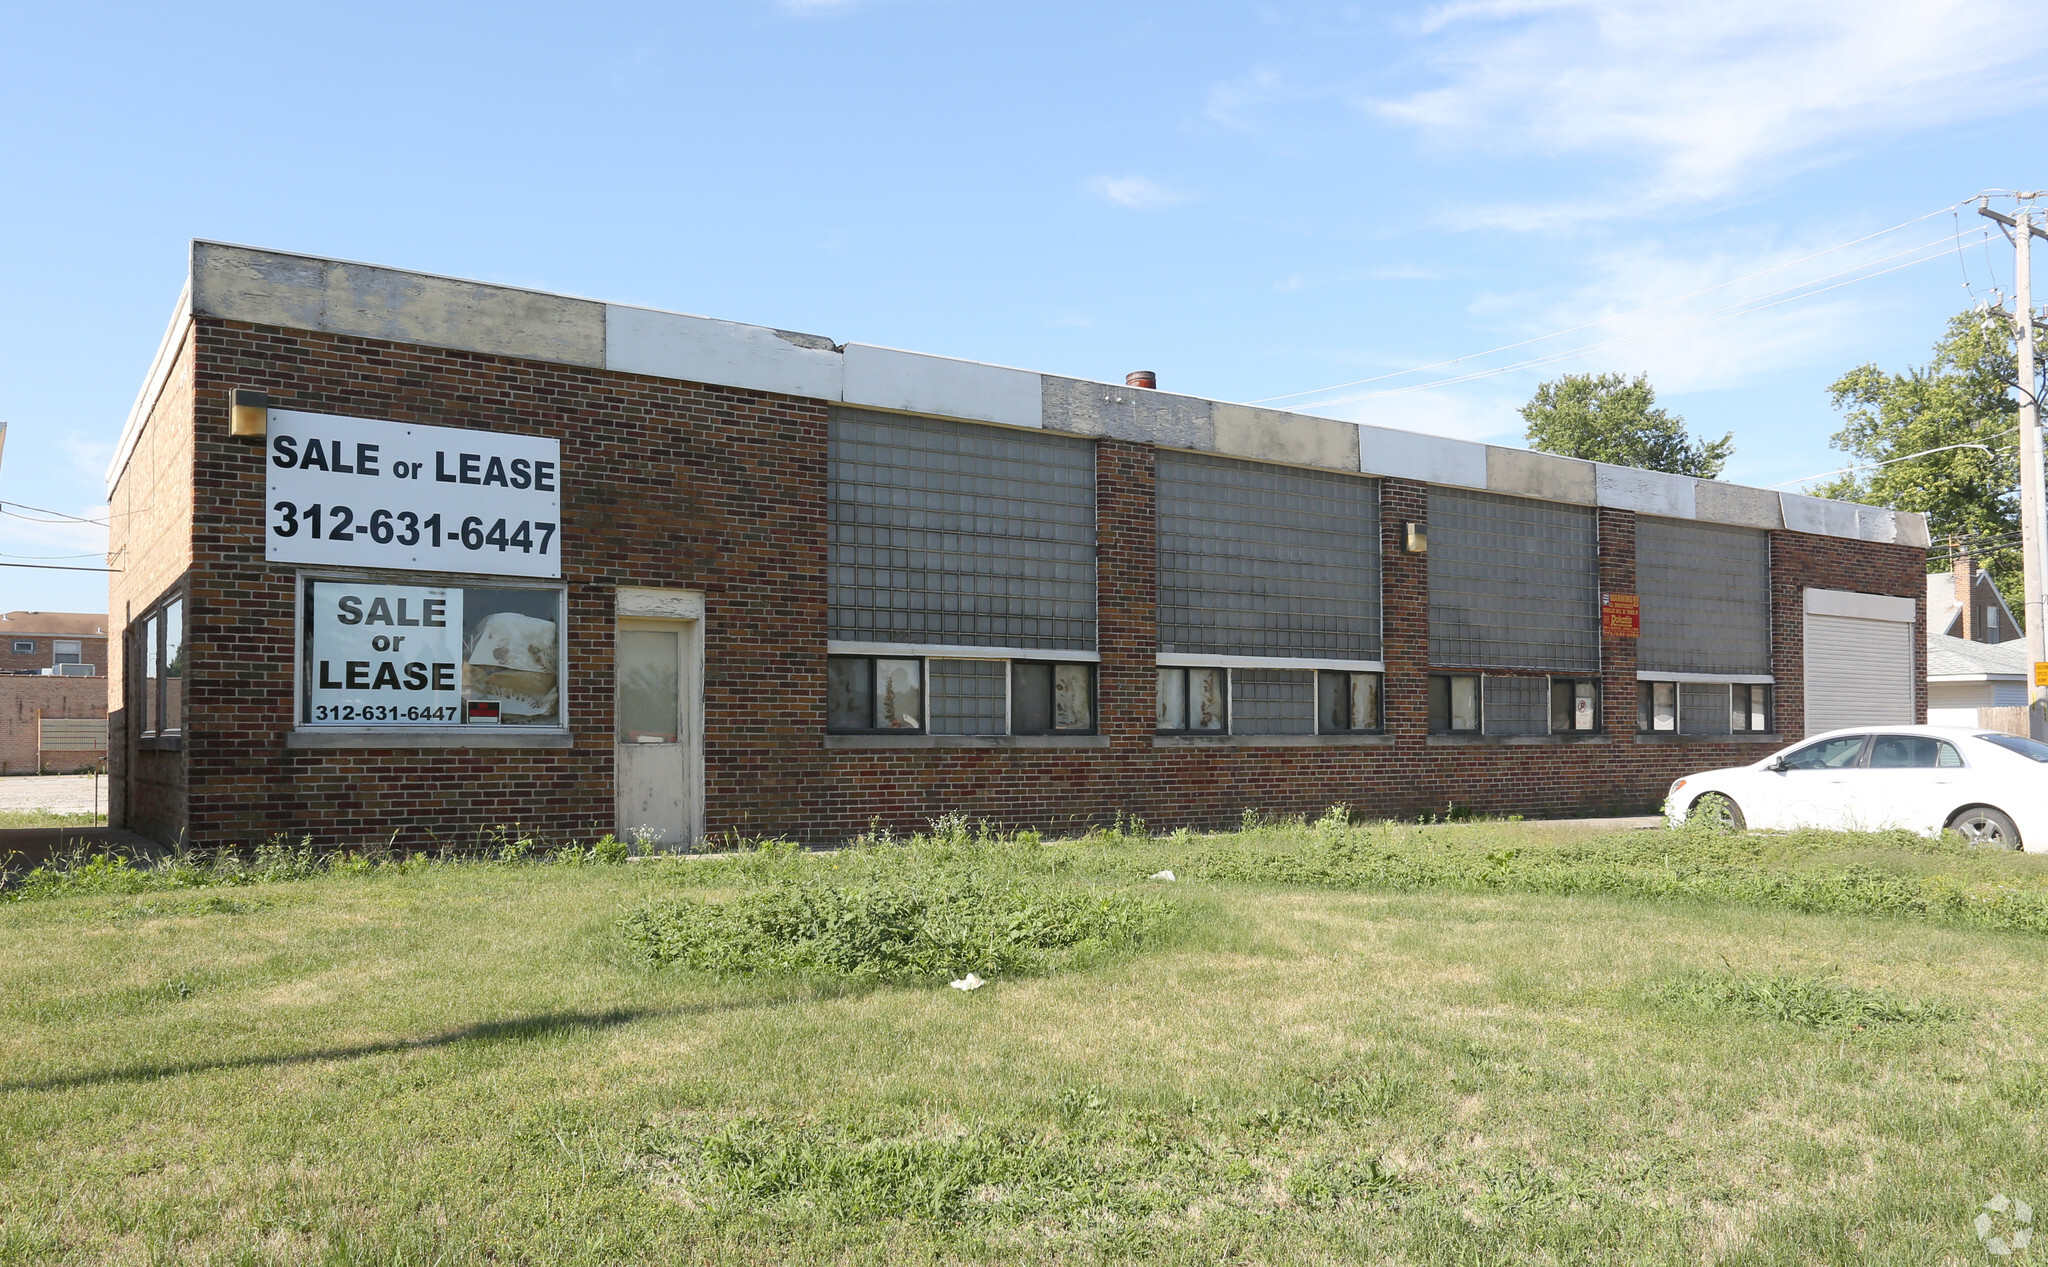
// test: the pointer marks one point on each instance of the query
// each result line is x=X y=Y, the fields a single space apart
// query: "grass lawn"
x=1324 y=1054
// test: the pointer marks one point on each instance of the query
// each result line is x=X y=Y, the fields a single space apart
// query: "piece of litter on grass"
x=969 y=982
x=1160 y=875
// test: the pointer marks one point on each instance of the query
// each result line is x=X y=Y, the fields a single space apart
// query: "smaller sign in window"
x=382 y=654
x=1574 y=704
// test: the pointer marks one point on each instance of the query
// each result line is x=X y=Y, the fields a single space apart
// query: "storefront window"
x=380 y=654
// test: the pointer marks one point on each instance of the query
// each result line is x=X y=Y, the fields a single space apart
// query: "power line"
x=61 y=516
x=1507 y=347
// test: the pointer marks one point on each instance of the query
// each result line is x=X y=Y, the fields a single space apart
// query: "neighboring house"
x=1977 y=684
x=54 y=644
x=1963 y=603
x=53 y=668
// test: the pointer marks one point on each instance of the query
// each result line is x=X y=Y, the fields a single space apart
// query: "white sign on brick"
x=356 y=492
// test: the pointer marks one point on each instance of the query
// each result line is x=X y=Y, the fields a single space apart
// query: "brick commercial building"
x=486 y=556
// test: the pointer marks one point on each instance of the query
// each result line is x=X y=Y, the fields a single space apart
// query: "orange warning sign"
x=1621 y=616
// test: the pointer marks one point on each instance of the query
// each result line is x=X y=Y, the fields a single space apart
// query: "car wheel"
x=1982 y=825
x=1721 y=808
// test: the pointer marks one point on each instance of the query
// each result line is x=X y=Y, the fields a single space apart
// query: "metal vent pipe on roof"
x=1141 y=378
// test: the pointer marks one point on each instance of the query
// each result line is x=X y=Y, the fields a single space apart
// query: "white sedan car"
x=1989 y=788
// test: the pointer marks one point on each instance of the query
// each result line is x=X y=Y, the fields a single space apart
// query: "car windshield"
x=2032 y=749
x=1828 y=754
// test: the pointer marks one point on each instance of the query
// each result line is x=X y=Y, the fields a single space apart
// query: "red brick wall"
x=1800 y=560
x=685 y=486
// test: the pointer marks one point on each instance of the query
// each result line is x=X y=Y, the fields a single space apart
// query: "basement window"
x=1051 y=699
x=874 y=694
x=1703 y=708
x=1194 y=701
x=1574 y=705
x=1454 y=703
x=1350 y=703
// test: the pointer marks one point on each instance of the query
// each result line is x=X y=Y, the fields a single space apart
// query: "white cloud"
x=1139 y=193
x=1708 y=97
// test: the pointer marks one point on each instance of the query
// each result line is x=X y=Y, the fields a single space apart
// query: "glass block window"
x=1273 y=701
x=968 y=697
x=1513 y=583
x=1256 y=559
x=953 y=533
x=1706 y=597
x=1703 y=708
x=1514 y=705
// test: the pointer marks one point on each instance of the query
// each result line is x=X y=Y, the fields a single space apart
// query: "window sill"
x=1744 y=737
x=161 y=743
x=874 y=742
x=396 y=737
x=1515 y=741
x=1272 y=741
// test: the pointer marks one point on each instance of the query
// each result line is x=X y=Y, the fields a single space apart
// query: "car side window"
x=1912 y=752
x=1829 y=754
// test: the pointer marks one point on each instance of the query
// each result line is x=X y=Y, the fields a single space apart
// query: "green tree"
x=1613 y=418
x=1961 y=397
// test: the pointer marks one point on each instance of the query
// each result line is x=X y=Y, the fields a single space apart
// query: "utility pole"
x=2033 y=481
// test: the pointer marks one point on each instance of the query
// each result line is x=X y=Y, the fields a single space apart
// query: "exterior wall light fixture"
x=1418 y=538
x=248 y=412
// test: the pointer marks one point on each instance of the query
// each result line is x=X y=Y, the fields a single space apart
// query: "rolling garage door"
x=1859 y=660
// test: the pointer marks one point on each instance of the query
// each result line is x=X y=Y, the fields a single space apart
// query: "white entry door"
x=658 y=696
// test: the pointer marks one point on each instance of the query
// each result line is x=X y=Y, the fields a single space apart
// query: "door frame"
x=687 y=608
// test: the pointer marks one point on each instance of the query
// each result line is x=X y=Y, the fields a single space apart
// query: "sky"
x=1401 y=214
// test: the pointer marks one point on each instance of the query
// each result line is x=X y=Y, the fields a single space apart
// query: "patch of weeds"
x=1814 y=1002
x=2023 y=1085
x=902 y=919
x=1326 y=1182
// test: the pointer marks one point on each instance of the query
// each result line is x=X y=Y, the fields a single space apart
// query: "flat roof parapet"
x=248 y=284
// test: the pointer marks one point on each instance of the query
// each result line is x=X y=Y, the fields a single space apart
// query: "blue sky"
x=1253 y=200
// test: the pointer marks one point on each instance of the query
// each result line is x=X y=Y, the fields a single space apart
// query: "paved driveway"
x=64 y=793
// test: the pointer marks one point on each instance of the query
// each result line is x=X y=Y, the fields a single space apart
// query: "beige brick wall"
x=25 y=699
x=150 y=546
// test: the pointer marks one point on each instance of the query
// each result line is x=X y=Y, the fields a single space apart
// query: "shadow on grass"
x=483 y=1032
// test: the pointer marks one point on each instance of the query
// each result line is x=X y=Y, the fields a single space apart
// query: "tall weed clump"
x=961 y=899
